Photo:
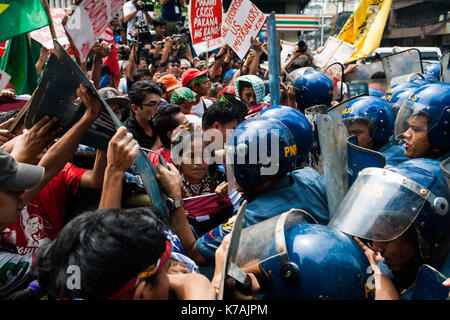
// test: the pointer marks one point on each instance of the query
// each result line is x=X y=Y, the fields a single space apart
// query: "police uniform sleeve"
x=210 y=241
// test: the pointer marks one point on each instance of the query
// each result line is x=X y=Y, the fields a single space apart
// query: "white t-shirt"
x=199 y=108
x=128 y=8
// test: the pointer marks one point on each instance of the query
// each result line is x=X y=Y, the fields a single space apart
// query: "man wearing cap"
x=15 y=177
x=118 y=103
x=198 y=82
x=171 y=83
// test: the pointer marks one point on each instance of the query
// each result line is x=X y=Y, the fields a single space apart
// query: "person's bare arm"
x=170 y=180
x=132 y=67
x=191 y=286
x=384 y=288
x=254 y=65
x=62 y=151
x=43 y=58
x=93 y=179
x=218 y=61
x=122 y=152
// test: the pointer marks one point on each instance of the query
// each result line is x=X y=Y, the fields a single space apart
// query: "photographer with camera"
x=137 y=12
x=171 y=14
x=301 y=57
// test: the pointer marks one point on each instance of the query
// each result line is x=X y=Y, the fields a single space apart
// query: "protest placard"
x=89 y=21
x=335 y=50
x=205 y=20
x=43 y=35
x=4 y=79
x=242 y=23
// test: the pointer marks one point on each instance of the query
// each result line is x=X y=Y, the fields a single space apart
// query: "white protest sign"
x=89 y=21
x=43 y=35
x=4 y=79
x=243 y=22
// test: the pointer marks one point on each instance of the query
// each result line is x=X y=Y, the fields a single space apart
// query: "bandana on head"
x=257 y=84
x=183 y=94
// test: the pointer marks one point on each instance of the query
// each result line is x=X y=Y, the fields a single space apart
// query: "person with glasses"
x=145 y=98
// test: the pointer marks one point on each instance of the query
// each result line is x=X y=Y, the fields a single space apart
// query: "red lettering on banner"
x=97 y=11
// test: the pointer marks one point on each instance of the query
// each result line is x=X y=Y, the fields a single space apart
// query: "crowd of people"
x=78 y=223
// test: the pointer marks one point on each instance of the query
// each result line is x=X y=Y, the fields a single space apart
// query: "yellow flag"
x=365 y=27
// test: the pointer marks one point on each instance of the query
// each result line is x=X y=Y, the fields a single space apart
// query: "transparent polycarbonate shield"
x=364 y=72
x=407 y=110
x=257 y=240
x=335 y=73
x=406 y=78
x=357 y=88
x=445 y=65
x=312 y=113
x=379 y=206
x=445 y=168
x=298 y=72
x=402 y=63
x=360 y=158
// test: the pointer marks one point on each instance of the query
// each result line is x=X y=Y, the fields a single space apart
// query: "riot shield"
x=55 y=96
x=428 y=285
x=335 y=73
x=312 y=114
x=445 y=65
x=364 y=71
x=402 y=63
x=298 y=72
x=445 y=168
x=230 y=267
x=360 y=158
x=406 y=78
x=256 y=239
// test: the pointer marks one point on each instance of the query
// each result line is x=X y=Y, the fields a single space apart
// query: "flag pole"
x=51 y=26
x=274 y=62
x=24 y=109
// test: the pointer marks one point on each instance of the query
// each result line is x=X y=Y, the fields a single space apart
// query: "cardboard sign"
x=89 y=21
x=243 y=22
x=205 y=21
x=43 y=35
x=4 y=79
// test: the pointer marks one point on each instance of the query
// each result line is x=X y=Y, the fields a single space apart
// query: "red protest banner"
x=89 y=21
x=43 y=35
x=205 y=20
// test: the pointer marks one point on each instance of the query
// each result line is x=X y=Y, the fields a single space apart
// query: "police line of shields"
x=55 y=96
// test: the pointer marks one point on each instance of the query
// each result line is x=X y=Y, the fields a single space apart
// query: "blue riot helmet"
x=383 y=204
x=375 y=112
x=313 y=88
x=259 y=149
x=398 y=97
x=306 y=261
x=228 y=76
x=433 y=102
x=401 y=86
x=296 y=122
x=420 y=82
x=433 y=69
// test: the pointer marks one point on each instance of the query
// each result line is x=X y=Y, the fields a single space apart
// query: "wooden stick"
x=51 y=26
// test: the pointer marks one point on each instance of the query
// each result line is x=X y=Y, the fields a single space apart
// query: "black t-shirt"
x=138 y=133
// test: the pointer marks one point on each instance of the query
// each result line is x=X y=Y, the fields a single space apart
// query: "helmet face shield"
x=380 y=205
x=256 y=244
x=406 y=111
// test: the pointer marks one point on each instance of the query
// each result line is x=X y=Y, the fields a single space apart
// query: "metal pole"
x=321 y=29
x=274 y=60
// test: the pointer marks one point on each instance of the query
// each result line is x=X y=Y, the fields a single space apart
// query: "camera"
x=145 y=55
x=302 y=47
x=147 y=5
x=143 y=32
x=183 y=30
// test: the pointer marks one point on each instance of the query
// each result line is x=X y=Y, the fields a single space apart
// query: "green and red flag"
x=21 y=16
